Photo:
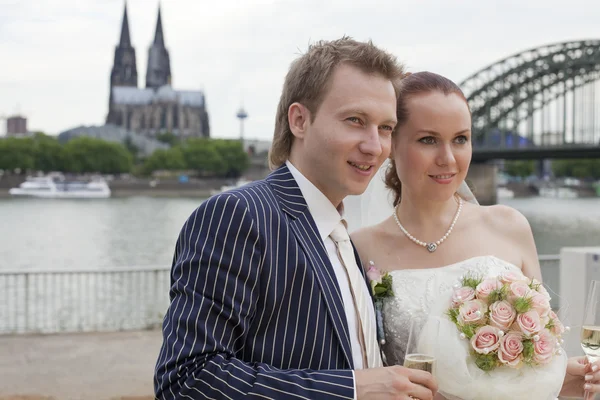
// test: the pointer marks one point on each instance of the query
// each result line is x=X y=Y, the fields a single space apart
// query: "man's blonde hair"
x=309 y=79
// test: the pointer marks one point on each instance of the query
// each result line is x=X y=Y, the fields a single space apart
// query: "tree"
x=579 y=168
x=235 y=158
x=520 y=168
x=171 y=159
x=132 y=148
x=202 y=156
x=17 y=153
x=168 y=138
x=49 y=154
x=85 y=154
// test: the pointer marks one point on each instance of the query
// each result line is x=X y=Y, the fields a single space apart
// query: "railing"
x=51 y=301
x=551 y=275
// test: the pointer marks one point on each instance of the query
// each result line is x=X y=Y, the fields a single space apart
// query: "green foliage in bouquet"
x=486 y=362
x=498 y=295
x=471 y=281
x=522 y=305
x=528 y=351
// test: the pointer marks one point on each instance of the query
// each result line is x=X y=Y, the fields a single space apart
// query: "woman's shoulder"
x=505 y=219
x=367 y=239
x=366 y=234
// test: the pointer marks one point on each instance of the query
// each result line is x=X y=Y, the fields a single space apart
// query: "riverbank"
x=193 y=188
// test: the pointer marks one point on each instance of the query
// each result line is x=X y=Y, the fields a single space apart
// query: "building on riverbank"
x=158 y=107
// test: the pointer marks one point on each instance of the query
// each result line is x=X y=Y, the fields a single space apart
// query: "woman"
x=433 y=237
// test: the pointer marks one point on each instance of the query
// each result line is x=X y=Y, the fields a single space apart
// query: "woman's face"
x=432 y=149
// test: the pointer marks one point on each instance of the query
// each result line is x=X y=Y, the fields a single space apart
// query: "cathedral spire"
x=158 y=71
x=125 y=40
x=159 y=39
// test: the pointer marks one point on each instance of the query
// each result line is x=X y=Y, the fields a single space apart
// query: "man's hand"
x=394 y=383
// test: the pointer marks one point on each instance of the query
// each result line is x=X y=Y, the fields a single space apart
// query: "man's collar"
x=324 y=213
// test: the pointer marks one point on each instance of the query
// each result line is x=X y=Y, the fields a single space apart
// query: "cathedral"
x=158 y=107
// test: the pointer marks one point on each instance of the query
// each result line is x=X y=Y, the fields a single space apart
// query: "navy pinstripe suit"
x=256 y=310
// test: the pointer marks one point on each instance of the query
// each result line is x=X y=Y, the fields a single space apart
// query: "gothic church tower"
x=124 y=70
x=159 y=66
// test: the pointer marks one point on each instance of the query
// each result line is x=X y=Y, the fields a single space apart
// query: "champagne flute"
x=590 y=331
x=414 y=357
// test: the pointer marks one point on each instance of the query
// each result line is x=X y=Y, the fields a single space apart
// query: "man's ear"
x=299 y=118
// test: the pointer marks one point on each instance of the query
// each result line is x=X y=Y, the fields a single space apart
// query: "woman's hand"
x=582 y=378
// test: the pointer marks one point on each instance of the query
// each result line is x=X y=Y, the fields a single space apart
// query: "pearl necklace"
x=431 y=247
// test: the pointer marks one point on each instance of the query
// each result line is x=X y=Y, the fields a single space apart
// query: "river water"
x=141 y=231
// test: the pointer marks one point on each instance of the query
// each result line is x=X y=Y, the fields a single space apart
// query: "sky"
x=56 y=55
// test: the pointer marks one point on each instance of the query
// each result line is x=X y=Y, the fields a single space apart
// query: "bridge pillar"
x=482 y=180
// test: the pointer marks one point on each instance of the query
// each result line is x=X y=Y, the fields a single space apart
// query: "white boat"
x=504 y=193
x=60 y=188
x=239 y=183
x=558 y=192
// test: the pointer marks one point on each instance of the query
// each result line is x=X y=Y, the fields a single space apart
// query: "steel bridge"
x=537 y=104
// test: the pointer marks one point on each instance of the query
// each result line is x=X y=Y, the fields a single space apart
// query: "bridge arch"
x=509 y=91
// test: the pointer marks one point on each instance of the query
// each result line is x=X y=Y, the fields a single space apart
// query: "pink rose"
x=541 y=304
x=558 y=328
x=518 y=289
x=502 y=315
x=486 y=287
x=461 y=295
x=511 y=349
x=472 y=312
x=537 y=285
x=529 y=323
x=486 y=339
x=543 y=349
x=542 y=290
x=374 y=274
x=510 y=277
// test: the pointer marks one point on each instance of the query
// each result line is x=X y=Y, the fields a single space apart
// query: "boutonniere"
x=381 y=287
x=381 y=283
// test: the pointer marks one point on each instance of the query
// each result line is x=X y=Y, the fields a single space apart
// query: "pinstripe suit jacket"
x=256 y=311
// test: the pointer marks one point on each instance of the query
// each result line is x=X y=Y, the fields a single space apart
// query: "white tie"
x=367 y=333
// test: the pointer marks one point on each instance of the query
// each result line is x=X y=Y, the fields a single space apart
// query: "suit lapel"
x=304 y=228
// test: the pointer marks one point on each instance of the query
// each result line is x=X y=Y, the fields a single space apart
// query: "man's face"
x=350 y=136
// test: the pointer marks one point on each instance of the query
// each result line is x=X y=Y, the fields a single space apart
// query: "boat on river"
x=57 y=187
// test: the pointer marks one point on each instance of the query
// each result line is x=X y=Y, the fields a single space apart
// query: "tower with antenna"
x=242 y=115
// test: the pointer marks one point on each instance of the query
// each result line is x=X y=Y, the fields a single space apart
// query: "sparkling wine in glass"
x=414 y=357
x=590 y=332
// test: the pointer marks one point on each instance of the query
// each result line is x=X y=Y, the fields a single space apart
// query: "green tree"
x=17 y=153
x=169 y=138
x=520 y=168
x=201 y=155
x=577 y=168
x=86 y=154
x=171 y=159
x=235 y=158
x=49 y=153
x=132 y=148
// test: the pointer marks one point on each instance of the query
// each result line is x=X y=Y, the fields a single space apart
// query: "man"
x=265 y=300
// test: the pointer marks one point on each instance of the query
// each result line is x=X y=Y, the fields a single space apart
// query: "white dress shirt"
x=327 y=217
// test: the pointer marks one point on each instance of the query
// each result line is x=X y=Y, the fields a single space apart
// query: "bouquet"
x=507 y=320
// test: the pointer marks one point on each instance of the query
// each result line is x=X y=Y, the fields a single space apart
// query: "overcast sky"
x=56 y=55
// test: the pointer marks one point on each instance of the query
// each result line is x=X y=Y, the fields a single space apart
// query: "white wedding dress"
x=421 y=297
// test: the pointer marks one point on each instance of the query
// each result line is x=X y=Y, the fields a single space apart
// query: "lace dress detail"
x=417 y=290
